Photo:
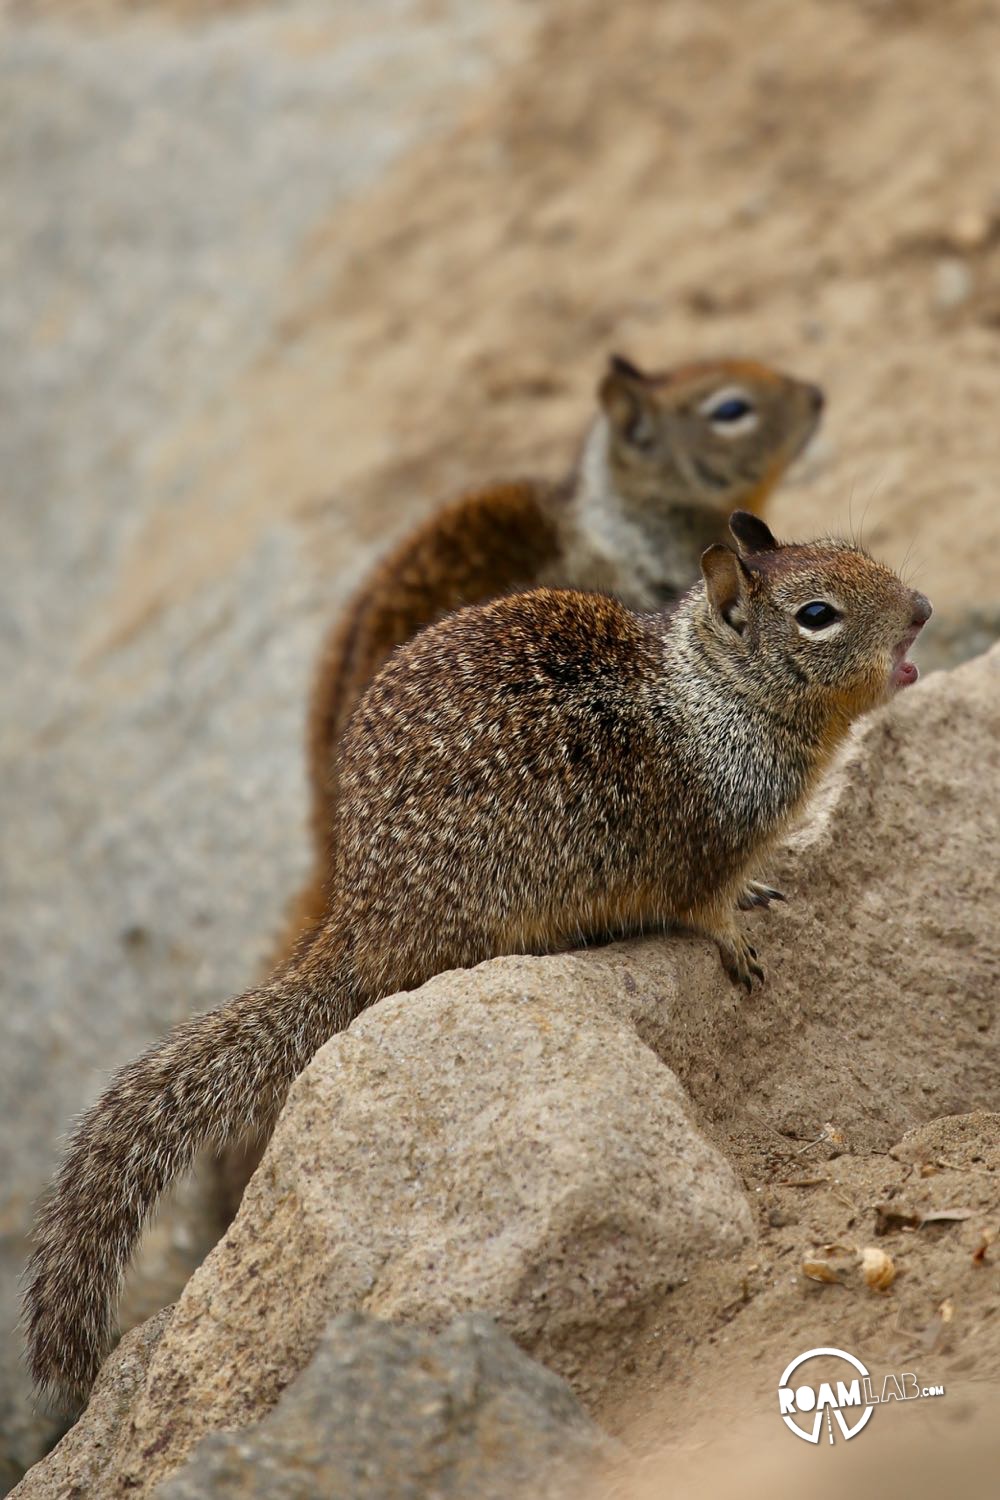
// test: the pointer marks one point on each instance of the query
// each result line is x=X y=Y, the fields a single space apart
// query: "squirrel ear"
x=623 y=393
x=724 y=576
x=751 y=533
x=619 y=365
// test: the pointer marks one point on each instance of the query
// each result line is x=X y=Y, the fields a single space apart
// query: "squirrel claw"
x=756 y=895
x=739 y=960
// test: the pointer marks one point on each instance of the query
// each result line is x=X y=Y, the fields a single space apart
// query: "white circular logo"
x=813 y=1403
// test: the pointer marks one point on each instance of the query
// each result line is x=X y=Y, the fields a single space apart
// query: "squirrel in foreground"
x=521 y=776
x=668 y=455
x=667 y=458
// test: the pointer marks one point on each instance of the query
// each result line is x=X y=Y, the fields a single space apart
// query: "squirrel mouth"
x=904 y=672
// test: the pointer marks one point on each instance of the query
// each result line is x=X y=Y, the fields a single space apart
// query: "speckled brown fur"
x=484 y=544
x=521 y=776
x=654 y=486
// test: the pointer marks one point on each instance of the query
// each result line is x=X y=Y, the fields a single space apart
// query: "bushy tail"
x=210 y=1081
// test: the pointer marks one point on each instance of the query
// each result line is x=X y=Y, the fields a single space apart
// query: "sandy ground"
x=714 y=1365
x=807 y=183
x=646 y=180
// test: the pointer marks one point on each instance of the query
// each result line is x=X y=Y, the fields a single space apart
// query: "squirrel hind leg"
x=754 y=895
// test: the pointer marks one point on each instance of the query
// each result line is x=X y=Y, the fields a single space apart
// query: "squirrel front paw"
x=754 y=895
x=739 y=960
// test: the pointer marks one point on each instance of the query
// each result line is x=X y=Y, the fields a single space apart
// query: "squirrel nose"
x=817 y=399
x=922 y=609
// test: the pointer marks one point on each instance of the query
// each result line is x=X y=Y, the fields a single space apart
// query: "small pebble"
x=952 y=284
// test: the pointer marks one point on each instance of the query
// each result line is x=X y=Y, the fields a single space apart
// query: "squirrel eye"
x=816 y=614
x=730 y=410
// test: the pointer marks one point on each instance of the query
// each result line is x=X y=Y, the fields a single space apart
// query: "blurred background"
x=277 y=278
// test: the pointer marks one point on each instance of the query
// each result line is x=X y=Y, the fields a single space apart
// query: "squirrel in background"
x=666 y=459
x=519 y=777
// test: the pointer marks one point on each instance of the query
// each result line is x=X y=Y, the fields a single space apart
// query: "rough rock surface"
x=400 y=1413
x=498 y=1141
x=503 y=1140
x=78 y=1467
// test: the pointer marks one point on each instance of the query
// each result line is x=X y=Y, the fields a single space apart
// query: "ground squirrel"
x=520 y=776
x=667 y=458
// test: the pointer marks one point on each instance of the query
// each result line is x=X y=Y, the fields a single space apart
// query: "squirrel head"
x=823 y=619
x=723 y=430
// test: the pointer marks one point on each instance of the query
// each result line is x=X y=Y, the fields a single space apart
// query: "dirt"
x=807 y=183
x=647 y=180
x=717 y=1365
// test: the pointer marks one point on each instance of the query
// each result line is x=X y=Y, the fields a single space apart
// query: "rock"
x=503 y=1140
x=77 y=1466
x=500 y=1140
x=952 y=284
x=890 y=942
x=403 y=1414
